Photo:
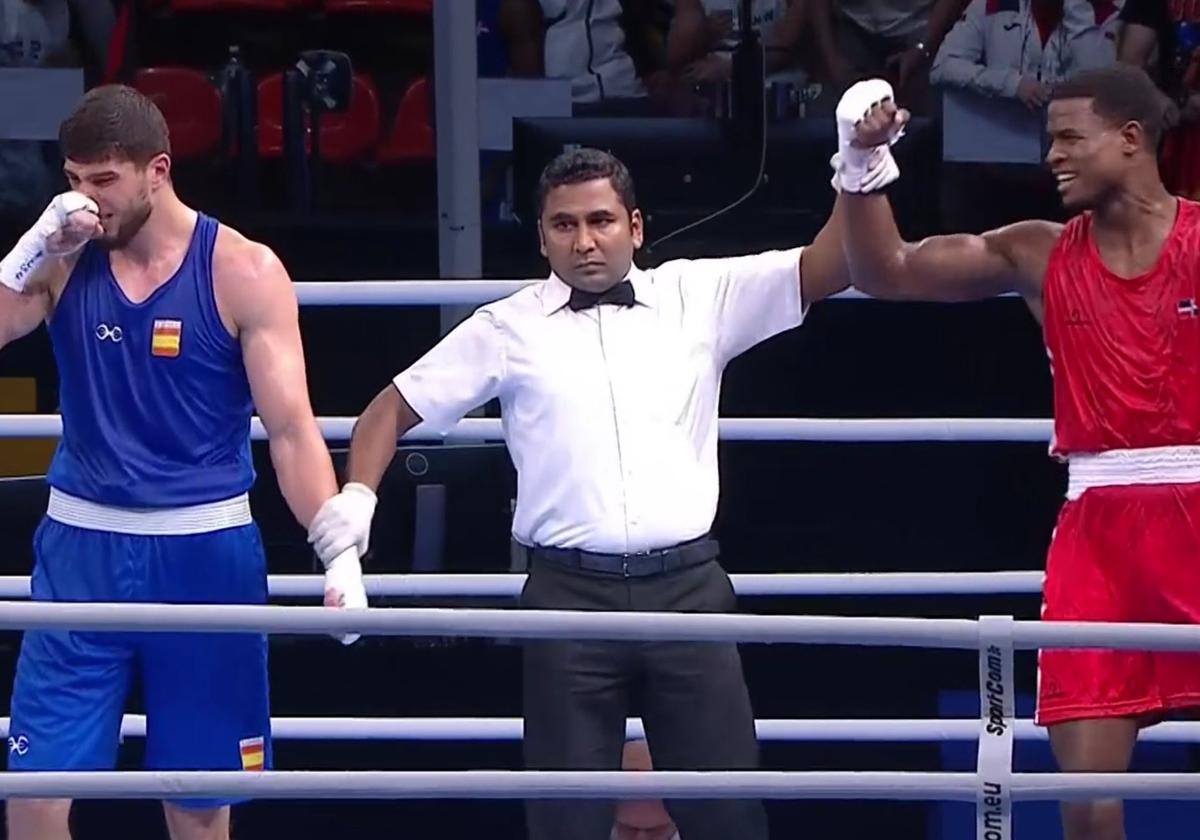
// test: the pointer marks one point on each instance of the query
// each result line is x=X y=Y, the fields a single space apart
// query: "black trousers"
x=692 y=698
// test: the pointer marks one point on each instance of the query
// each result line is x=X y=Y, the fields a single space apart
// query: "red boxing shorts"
x=1124 y=553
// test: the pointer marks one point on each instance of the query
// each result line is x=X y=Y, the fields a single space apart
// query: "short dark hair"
x=1120 y=93
x=114 y=122
x=580 y=165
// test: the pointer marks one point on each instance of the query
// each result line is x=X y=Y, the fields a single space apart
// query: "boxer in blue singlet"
x=169 y=331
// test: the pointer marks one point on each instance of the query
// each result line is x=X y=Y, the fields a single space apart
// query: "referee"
x=608 y=378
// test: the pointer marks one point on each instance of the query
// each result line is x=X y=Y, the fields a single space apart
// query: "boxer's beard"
x=127 y=228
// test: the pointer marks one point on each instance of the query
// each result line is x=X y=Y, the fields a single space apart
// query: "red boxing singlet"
x=1126 y=359
x=1125 y=353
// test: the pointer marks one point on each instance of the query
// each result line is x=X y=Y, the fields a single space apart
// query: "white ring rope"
x=829 y=430
x=782 y=730
x=428 y=292
x=406 y=292
x=945 y=633
x=502 y=623
x=489 y=784
x=508 y=585
x=559 y=784
x=982 y=635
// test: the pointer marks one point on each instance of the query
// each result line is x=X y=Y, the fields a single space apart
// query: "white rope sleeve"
x=997 y=727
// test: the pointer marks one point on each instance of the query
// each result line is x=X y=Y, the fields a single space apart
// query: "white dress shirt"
x=610 y=413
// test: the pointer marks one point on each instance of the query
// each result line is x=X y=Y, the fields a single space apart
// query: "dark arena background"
x=379 y=192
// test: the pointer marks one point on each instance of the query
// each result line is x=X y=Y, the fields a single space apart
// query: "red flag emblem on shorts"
x=165 y=339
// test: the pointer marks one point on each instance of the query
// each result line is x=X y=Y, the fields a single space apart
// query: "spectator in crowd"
x=1018 y=49
x=583 y=41
x=1171 y=29
x=894 y=39
x=39 y=33
x=1092 y=28
x=704 y=33
x=641 y=819
x=1010 y=50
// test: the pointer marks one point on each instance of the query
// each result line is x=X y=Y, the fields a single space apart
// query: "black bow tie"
x=620 y=294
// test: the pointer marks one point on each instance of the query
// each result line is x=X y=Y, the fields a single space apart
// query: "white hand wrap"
x=34 y=247
x=343 y=577
x=855 y=169
x=340 y=534
x=343 y=522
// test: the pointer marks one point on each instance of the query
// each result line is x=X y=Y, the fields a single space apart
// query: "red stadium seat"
x=410 y=7
x=345 y=137
x=411 y=137
x=191 y=104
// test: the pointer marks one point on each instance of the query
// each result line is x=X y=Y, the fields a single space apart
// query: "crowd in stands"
x=620 y=57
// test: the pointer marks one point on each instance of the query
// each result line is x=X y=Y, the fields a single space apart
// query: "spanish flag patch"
x=165 y=339
x=253 y=754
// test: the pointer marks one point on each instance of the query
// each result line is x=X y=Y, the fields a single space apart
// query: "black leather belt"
x=641 y=564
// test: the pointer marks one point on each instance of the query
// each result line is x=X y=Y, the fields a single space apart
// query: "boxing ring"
x=993 y=786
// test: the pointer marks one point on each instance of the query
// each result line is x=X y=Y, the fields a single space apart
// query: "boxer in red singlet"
x=1117 y=290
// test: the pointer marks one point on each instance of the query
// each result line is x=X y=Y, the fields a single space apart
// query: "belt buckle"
x=625 y=558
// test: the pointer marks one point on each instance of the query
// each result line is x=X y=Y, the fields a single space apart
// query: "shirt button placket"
x=611 y=366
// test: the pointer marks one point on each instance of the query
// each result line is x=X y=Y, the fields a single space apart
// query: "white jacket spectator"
x=37 y=33
x=1091 y=28
x=586 y=44
x=1001 y=48
x=581 y=41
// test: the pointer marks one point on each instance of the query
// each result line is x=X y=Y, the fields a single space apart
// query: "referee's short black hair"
x=578 y=166
x=1120 y=93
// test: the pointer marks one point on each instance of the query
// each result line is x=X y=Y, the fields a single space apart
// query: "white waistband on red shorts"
x=174 y=521
x=1123 y=467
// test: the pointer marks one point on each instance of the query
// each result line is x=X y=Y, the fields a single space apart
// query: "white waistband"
x=1119 y=467
x=176 y=521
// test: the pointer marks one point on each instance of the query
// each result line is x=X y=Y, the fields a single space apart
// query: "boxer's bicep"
x=267 y=316
x=966 y=267
x=266 y=313
x=953 y=268
x=884 y=265
x=22 y=312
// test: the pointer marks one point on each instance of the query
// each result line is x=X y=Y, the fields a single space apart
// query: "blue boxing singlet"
x=154 y=397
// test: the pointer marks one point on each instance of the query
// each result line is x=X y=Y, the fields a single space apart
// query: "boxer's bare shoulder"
x=248 y=277
x=1026 y=247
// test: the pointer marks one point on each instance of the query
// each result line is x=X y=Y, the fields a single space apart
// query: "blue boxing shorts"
x=206 y=694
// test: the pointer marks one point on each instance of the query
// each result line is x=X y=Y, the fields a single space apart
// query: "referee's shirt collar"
x=555 y=292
